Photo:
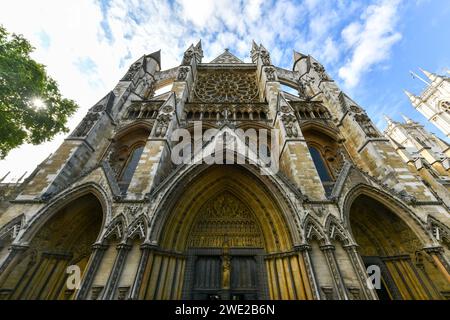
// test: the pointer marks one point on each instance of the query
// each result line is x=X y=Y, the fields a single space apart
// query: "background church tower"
x=434 y=102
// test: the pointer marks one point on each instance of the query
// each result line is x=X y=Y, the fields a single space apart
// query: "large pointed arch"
x=60 y=235
x=279 y=213
x=393 y=204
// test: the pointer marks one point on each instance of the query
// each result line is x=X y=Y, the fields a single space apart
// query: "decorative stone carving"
x=132 y=71
x=11 y=229
x=131 y=212
x=226 y=271
x=162 y=125
x=182 y=73
x=168 y=109
x=270 y=74
x=265 y=57
x=123 y=291
x=98 y=108
x=367 y=126
x=289 y=122
x=320 y=71
x=226 y=86
x=225 y=219
x=137 y=230
x=115 y=229
x=187 y=58
x=86 y=124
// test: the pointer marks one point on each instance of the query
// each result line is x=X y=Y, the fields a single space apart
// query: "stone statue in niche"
x=365 y=123
x=320 y=71
x=265 y=58
x=301 y=89
x=86 y=125
x=289 y=125
x=355 y=109
x=115 y=161
x=270 y=74
x=150 y=85
x=182 y=73
x=187 y=58
x=163 y=125
x=226 y=268
x=132 y=71
x=226 y=264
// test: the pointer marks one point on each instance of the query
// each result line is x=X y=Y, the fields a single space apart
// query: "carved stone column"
x=116 y=271
x=328 y=251
x=147 y=251
x=98 y=250
x=439 y=259
x=15 y=251
x=303 y=251
x=358 y=266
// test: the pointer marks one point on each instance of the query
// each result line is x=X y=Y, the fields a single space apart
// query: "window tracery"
x=226 y=86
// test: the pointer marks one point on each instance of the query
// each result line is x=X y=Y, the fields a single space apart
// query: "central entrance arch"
x=226 y=236
x=225 y=250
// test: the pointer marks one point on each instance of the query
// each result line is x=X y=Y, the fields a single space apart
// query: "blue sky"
x=368 y=47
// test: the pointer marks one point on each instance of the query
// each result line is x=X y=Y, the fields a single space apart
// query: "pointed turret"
x=254 y=51
x=432 y=76
x=4 y=177
x=416 y=101
x=389 y=121
x=156 y=56
x=407 y=120
x=298 y=56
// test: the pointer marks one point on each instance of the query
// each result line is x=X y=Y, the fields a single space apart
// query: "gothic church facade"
x=112 y=203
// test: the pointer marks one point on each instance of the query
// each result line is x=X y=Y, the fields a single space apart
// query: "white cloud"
x=371 y=40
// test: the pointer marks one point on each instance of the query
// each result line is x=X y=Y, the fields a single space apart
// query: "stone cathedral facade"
x=111 y=209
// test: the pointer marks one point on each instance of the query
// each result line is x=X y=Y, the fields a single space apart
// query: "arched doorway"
x=225 y=237
x=64 y=240
x=386 y=241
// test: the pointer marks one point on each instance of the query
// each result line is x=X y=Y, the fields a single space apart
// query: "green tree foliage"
x=32 y=109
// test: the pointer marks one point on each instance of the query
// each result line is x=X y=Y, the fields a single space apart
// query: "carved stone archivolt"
x=225 y=220
x=238 y=86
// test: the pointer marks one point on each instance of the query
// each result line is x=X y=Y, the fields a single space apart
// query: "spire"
x=298 y=56
x=199 y=50
x=22 y=176
x=414 y=99
x=198 y=46
x=254 y=46
x=408 y=120
x=389 y=121
x=156 y=56
x=432 y=76
x=4 y=177
x=254 y=52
